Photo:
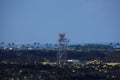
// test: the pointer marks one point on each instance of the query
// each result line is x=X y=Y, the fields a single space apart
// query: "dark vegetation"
x=13 y=64
x=22 y=56
x=59 y=72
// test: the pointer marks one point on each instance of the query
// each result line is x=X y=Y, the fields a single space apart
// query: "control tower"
x=62 y=48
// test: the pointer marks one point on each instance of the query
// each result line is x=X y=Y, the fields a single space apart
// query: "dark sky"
x=28 y=21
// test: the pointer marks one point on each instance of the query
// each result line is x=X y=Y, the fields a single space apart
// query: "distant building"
x=73 y=61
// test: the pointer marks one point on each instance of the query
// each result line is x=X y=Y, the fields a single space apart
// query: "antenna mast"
x=62 y=47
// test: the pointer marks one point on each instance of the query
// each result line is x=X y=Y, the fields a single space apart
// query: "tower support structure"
x=62 y=48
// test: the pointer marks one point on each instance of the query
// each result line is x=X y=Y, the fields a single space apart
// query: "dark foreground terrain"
x=38 y=71
x=23 y=56
x=96 y=63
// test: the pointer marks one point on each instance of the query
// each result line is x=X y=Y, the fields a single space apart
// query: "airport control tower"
x=62 y=48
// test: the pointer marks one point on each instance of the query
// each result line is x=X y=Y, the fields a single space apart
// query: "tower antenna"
x=62 y=48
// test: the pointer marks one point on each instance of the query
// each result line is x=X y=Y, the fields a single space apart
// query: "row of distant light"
x=11 y=48
x=17 y=48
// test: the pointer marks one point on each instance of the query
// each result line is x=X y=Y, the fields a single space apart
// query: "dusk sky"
x=83 y=21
